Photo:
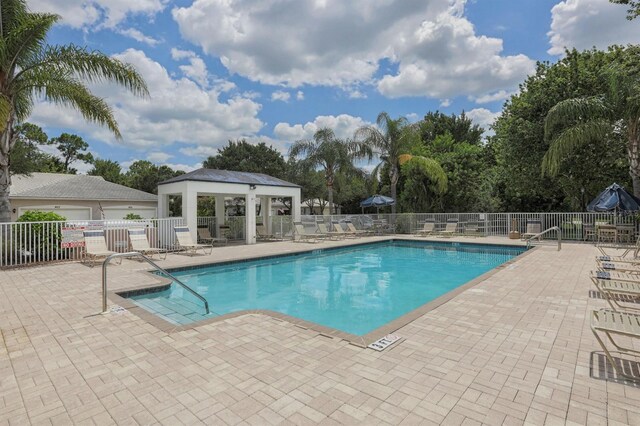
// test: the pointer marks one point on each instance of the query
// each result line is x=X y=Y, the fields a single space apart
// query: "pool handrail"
x=553 y=228
x=150 y=262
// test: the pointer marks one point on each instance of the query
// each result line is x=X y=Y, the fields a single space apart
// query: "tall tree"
x=577 y=122
x=145 y=176
x=392 y=141
x=331 y=154
x=460 y=127
x=30 y=69
x=242 y=156
x=634 y=7
x=108 y=169
x=72 y=148
x=26 y=156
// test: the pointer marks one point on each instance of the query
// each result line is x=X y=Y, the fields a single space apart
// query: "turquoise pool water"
x=354 y=289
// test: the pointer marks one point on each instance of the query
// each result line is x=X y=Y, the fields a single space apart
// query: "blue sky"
x=277 y=70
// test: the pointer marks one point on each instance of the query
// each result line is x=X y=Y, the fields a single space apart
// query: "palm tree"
x=31 y=69
x=576 y=122
x=391 y=141
x=331 y=154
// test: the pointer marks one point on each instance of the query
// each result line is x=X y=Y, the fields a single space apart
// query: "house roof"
x=58 y=186
x=229 y=176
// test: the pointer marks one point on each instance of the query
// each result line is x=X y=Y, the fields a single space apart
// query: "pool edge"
x=360 y=341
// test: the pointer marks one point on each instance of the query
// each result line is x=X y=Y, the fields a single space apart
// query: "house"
x=317 y=206
x=78 y=197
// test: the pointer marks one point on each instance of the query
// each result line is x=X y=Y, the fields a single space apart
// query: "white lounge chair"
x=204 y=236
x=186 y=243
x=616 y=323
x=95 y=246
x=139 y=242
x=301 y=234
x=263 y=235
x=325 y=233
x=534 y=227
x=337 y=228
x=449 y=230
x=351 y=228
x=427 y=229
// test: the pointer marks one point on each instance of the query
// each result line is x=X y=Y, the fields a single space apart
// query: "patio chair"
x=618 y=267
x=450 y=229
x=534 y=227
x=329 y=234
x=427 y=229
x=472 y=229
x=618 y=259
x=337 y=228
x=617 y=292
x=351 y=228
x=139 y=242
x=204 y=236
x=302 y=236
x=620 y=324
x=263 y=235
x=95 y=246
x=628 y=248
x=186 y=243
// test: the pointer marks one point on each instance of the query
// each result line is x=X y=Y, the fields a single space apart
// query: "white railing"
x=26 y=243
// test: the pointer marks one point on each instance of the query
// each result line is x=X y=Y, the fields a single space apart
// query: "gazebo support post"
x=190 y=210
x=250 y=217
x=265 y=202
x=220 y=214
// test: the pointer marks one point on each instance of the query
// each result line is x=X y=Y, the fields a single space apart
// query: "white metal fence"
x=25 y=243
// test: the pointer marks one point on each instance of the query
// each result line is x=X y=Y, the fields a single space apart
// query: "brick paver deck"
x=514 y=349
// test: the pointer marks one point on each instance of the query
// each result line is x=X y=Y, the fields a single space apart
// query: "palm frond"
x=301 y=147
x=24 y=42
x=571 y=139
x=433 y=171
x=90 y=66
x=5 y=111
x=570 y=111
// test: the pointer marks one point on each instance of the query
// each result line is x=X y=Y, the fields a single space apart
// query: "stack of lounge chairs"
x=617 y=279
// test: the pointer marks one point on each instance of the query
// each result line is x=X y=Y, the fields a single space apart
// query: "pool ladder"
x=155 y=266
x=546 y=231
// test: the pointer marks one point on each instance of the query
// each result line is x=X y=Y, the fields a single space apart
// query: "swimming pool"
x=354 y=289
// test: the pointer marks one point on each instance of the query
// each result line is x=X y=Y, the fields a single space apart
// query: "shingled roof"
x=228 y=176
x=54 y=186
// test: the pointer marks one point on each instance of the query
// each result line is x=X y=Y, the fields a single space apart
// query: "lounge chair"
x=618 y=267
x=449 y=230
x=337 y=228
x=616 y=323
x=628 y=248
x=619 y=259
x=139 y=242
x=534 y=227
x=301 y=234
x=204 y=236
x=351 y=228
x=329 y=234
x=95 y=246
x=427 y=229
x=472 y=229
x=263 y=235
x=185 y=242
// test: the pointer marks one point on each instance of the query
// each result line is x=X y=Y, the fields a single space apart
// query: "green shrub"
x=40 y=240
x=132 y=216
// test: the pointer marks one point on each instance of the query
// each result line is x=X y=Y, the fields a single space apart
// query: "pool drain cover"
x=384 y=343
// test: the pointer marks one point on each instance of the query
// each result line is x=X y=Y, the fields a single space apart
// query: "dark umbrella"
x=614 y=198
x=377 y=201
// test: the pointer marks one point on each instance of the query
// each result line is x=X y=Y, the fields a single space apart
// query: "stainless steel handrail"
x=150 y=262
x=553 y=228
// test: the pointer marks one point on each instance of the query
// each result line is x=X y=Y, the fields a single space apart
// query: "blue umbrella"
x=614 y=198
x=377 y=201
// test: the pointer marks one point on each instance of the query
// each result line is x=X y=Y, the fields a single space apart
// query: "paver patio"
x=514 y=349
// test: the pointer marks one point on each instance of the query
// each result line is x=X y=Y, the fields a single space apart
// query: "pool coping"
x=361 y=341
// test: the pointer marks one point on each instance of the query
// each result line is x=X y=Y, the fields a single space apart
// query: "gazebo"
x=226 y=183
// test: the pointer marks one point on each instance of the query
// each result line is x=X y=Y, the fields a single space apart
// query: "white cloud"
x=500 y=95
x=435 y=47
x=179 y=111
x=158 y=157
x=125 y=165
x=444 y=103
x=138 y=36
x=280 y=95
x=584 y=24
x=102 y=13
x=484 y=118
x=196 y=70
x=300 y=95
x=343 y=125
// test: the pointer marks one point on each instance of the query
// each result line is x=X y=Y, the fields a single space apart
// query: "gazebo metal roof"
x=228 y=176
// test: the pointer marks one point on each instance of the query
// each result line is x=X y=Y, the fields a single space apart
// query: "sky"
x=275 y=71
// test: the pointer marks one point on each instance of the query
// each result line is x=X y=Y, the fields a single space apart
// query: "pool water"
x=353 y=289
